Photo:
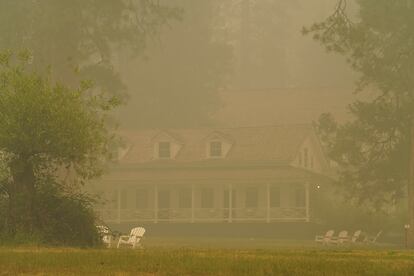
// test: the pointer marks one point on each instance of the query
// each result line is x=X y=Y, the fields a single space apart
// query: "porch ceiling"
x=234 y=174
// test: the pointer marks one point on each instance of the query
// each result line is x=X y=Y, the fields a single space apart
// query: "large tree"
x=47 y=132
x=373 y=150
x=262 y=59
x=179 y=84
x=81 y=34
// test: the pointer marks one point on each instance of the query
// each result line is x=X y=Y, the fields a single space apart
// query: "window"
x=300 y=197
x=274 y=197
x=184 y=198
x=114 y=200
x=141 y=199
x=207 y=197
x=252 y=197
x=124 y=199
x=226 y=199
x=305 y=157
x=164 y=199
x=215 y=149
x=164 y=150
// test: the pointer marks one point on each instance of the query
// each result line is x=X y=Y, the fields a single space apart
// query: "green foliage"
x=61 y=219
x=333 y=210
x=372 y=150
x=65 y=219
x=52 y=139
x=49 y=123
x=81 y=34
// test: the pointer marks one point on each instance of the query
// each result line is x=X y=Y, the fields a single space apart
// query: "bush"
x=61 y=220
x=333 y=210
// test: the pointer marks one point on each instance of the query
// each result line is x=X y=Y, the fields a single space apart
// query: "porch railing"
x=204 y=215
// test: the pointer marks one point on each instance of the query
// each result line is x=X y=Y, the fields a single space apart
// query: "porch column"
x=155 y=203
x=267 y=202
x=307 y=201
x=230 y=202
x=192 y=202
x=118 y=206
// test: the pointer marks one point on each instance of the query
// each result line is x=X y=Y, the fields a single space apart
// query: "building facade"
x=223 y=175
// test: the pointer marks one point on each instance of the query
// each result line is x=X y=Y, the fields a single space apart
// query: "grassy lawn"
x=208 y=257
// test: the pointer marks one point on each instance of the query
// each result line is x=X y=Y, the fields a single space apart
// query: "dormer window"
x=164 y=150
x=306 y=157
x=216 y=149
x=166 y=146
x=218 y=145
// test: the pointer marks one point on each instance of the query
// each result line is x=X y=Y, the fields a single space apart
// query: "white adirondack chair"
x=372 y=239
x=341 y=238
x=133 y=238
x=326 y=238
x=356 y=236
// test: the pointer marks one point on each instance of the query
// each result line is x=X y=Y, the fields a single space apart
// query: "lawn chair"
x=341 y=238
x=325 y=239
x=356 y=236
x=133 y=238
x=106 y=234
x=372 y=239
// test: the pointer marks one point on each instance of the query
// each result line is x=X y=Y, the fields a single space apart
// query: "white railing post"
x=267 y=202
x=307 y=201
x=230 y=202
x=118 y=206
x=192 y=203
x=155 y=203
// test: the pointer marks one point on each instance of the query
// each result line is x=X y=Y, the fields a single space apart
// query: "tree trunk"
x=21 y=201
x=410 y=193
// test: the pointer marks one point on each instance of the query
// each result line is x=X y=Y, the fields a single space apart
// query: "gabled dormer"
x=310 y=155
x=165 y=146
x=217 y=145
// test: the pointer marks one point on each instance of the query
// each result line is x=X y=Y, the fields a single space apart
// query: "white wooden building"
x=227 y=175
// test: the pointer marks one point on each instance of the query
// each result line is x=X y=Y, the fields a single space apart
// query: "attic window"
x=215 y=149
x=164 y=150
x=306 y=157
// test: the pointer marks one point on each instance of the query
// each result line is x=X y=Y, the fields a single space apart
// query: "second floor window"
x=215 y=149
x=164 y=150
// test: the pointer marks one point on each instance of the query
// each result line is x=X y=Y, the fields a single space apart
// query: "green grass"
x=208 y=257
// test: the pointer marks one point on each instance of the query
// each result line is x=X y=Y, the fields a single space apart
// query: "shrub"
x=62 y=219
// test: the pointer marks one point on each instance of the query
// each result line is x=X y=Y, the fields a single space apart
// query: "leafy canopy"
x=49 y=125
x=81 y=34
x=52 y=138
x=373 y=149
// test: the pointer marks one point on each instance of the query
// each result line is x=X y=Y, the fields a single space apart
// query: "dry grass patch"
x=213 y=261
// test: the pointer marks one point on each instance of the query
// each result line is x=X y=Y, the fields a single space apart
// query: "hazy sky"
x=277 y=75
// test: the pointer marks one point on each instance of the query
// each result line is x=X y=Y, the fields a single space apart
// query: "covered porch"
x=265 y=201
